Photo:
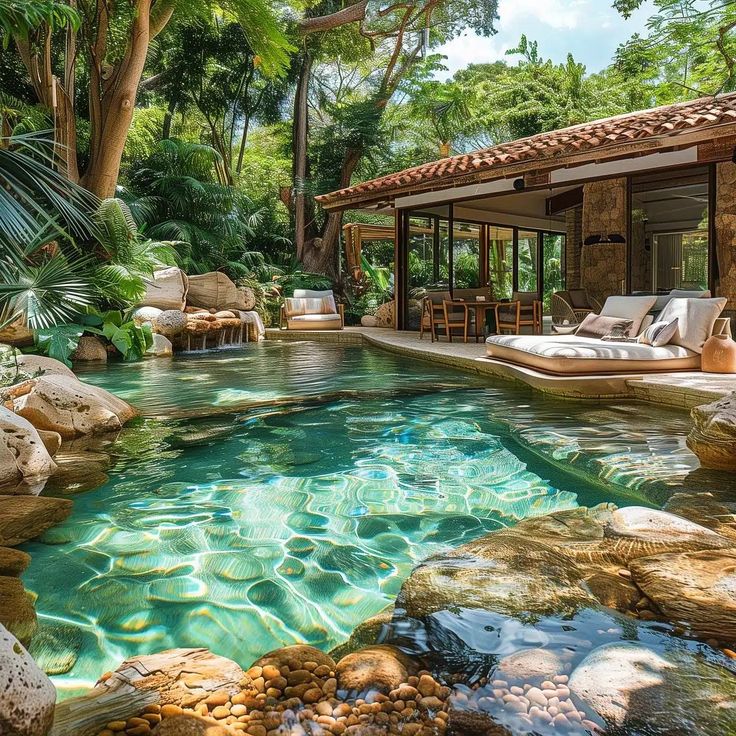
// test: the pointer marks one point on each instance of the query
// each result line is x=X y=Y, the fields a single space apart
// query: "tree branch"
x=352 y=14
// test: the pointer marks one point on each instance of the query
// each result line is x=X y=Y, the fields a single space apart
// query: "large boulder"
x=44 y=366
x=72 y=408
x=713 y=438
x=167 y=289
x=662 y=692
x=170 y=323
x=23 y=454
x=216 y=291
x=16 y=334
x=378 y=668
x=26 y=517
x=696 y=589
x=385 y=315
x=143 y=315
x=17 y=612
x=90 y=349
x=27 y=696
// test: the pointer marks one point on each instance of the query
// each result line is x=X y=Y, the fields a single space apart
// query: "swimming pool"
x=282 y=492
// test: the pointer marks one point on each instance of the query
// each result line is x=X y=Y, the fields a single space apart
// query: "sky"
x=590 y=29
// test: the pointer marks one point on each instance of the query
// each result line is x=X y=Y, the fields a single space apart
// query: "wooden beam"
x=562 y=202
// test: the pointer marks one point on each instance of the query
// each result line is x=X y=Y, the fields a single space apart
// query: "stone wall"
x=726 y=232
x=603 y=267
x=573 y=245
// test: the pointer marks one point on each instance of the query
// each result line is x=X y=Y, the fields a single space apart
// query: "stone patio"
x=684 y=390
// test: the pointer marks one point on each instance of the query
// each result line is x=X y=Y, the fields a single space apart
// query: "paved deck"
x=683 y=390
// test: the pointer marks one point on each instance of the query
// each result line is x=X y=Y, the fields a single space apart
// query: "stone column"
x=573 y=244
x=726 y=232
x=603 y=267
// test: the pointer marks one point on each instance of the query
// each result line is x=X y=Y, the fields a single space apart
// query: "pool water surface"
x=282 y=493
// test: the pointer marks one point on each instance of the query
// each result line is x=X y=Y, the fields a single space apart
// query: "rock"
x=43 y=365
x=706 y=509
x=385 y=315
x=23 y=454
x=142 y=315
x=631 y=685
x=613 y=591
x=713 y=438
x=216 y=290
x=530 y=666
x=16 y=334
x=696 y=589
x=167 y=289
x=246 y=298
x=27 y=696
x=17 y=612
x=365 y=634
x=226 y=314
x=90 y=349
x=26 y=517
x=13 y=561
x=368 y=320
x=462 y=722
x=55 y=647
x=72 y=408
x=51 y=441
x=501 y=572
x=294 y=656
x=381 y=667
x=161 y=347
x=189 y=725
x=170 y=323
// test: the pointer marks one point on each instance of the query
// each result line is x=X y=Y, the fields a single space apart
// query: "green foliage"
x=59 y=341
x=20 y=17
x=11 y=372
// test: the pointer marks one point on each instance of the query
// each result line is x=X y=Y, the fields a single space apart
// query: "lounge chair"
x=312 y=310
x=569 y=309
x=577 y=355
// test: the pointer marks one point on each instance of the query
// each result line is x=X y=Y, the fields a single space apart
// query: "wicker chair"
x=569 y=308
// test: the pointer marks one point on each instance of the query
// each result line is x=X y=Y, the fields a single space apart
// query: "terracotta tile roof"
x=544 y=149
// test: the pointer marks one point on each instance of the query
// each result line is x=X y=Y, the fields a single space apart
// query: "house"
x=641 y=202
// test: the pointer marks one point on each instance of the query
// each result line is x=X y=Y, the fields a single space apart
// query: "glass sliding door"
x=421 y=252
x=553 y=266
x=466 y=256
x=527 y=261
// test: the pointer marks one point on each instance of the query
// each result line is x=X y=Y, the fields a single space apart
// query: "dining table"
x=481 y=308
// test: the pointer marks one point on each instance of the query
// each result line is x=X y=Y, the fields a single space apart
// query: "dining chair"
x=524 y=310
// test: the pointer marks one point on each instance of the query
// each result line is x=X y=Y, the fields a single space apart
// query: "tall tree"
x=112 y=44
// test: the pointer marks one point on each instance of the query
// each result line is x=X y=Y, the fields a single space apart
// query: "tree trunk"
x=322 y=255
x=300 y=132
x=168 y=119
x=112 y=101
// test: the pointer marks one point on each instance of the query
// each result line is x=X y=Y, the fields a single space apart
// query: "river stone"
x=17 y=613
x=531 y=666
x=379 y=668
x=501 y=572
x=145 y=314
x=191 y=725
x=44 y=365
x=697 y=589
x=170 y=323
x=72 y=408
x=55 y=647
x=662 y=693
x=51 y=441
x=161 y=346
x=27 y=696
x=13 y=561
x=706 y=509
x=26 y=517
x=90 y=349
x=294 y=656
x=713 y=438
x=365 y=634
x=246 y=298
x=23 y=454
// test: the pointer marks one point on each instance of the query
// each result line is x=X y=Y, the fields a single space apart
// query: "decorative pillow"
x=596 y=325
x=328 y=304
x=659 y=334
x=294 y=307
x=634 y=308
x=695 y=320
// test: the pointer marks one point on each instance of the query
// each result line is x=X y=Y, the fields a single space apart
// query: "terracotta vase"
x=719 y=355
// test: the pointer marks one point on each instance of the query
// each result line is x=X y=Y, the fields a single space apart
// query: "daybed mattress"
x=573 y=355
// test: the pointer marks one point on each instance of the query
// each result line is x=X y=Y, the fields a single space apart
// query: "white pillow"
x=695 y=320
x=634 y=308
x=690 y=294
x=658 y=334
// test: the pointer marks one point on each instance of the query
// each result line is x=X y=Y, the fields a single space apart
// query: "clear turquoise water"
x=282 y=493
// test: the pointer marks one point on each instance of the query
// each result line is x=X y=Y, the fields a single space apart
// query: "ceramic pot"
x=719 y=355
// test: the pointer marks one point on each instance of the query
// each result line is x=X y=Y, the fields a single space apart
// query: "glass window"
x=500 y=255
x=527 y=261
x=553 y=249
x=421 y=252
x=669 y=226
x=466 y=256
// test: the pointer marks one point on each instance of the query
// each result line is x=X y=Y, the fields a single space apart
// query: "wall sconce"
x=604 y=239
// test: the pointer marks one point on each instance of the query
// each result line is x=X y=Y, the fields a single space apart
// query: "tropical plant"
x=130 y=258
x=11 y=371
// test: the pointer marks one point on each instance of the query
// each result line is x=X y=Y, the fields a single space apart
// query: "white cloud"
x=559 y=14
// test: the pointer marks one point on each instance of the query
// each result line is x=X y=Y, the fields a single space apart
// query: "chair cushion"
x=658 y=334
x=311 y=293
x=595 y=325
x=695 y=320
x=573 y=355
x=295 y=306
x=527 y=298
x=315 y=318
x=629 y=307
x=578 y=298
